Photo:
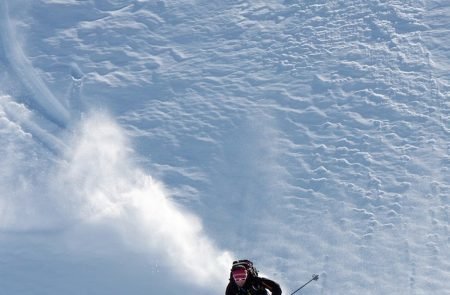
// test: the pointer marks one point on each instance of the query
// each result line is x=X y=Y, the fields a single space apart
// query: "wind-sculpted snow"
x=309 y=136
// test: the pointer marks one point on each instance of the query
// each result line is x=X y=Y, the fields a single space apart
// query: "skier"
x=244 y=280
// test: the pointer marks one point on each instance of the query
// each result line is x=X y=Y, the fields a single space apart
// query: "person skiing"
x=244 y=280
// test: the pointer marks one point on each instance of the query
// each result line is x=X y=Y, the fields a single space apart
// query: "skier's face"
x=240 y=276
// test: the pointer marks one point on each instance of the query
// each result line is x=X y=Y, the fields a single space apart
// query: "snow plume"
x=104 y=185
x=96 y=190
x=24 y=164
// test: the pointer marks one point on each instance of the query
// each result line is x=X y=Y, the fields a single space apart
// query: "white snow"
x=144 y=145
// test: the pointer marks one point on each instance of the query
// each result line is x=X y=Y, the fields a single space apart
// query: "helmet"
x=239 y=275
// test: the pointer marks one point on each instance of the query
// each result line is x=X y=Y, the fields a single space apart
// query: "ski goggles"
x=239 y=274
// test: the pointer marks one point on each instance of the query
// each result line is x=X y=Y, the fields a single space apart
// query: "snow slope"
x=145 y=144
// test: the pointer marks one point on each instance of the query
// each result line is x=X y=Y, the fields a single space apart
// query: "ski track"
x=328 y=119
x=42 y=97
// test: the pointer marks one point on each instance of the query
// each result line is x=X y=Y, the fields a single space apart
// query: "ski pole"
x=314 y=278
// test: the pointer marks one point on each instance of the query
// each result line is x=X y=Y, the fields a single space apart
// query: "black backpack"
x=248 y=266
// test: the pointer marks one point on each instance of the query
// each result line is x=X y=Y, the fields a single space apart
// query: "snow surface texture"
x=145 y=144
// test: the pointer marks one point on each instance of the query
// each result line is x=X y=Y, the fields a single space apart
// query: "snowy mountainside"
x=309 y=136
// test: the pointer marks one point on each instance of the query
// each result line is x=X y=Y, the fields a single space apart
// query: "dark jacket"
x=254 y=286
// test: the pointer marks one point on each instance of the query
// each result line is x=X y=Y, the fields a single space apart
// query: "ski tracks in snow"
x=47 y=112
